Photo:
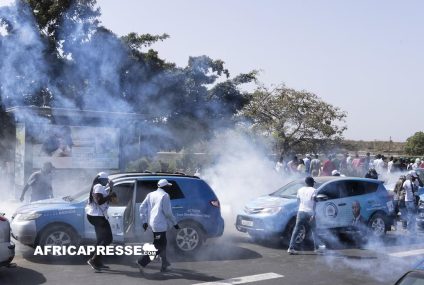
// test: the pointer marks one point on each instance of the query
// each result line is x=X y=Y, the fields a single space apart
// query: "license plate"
x=247 y=223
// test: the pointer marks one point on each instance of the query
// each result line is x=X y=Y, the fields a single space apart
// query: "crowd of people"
x=346 y=164
x=406 y=198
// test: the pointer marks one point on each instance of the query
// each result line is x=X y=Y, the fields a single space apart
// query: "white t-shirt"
x=389 y=166
x=306 y=196
x=93 y=209
x=409 y=195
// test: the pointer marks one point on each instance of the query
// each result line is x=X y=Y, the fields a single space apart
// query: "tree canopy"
x=298 y=121
x=415 y=144
x=81 y=63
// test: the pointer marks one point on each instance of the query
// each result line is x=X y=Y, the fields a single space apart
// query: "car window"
x=124 y=192
x=290 y=190
x=146 y=186
x=354 y=188
x=370 y=187
x=333 y=190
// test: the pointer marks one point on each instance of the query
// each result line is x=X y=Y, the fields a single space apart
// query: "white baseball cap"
x=163 y=183
x=335 y=172
x=102 y=175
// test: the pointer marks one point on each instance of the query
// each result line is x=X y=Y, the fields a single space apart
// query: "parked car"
x=413 y=277
x=62 y=221
x=275 y=214
x=7 y=247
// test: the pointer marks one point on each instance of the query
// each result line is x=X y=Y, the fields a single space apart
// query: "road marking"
x=244 y=279
x=407 y=253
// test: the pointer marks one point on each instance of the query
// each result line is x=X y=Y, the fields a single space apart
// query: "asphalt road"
x=232 y=259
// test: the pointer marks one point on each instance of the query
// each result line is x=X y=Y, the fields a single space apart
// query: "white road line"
x=244 y=279
x=407 y=253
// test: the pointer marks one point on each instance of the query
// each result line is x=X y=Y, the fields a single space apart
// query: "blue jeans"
x=412 y=210
x=303 y=221
x=403 y=216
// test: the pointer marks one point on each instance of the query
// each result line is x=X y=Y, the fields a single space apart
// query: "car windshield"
x=290 y=190
x=78 y=197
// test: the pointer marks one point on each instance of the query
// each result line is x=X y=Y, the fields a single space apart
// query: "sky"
x=365 y=57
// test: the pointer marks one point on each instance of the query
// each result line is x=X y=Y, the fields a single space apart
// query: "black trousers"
x=159 y=241
x=103 y=233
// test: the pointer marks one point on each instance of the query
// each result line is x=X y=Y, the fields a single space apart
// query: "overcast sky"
x=366 y=57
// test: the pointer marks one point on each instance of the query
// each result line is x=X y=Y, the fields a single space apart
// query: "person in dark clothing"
x=372 y=173
x=40 y=183
x=100 y=196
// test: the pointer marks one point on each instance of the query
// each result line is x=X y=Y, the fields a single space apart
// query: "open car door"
x=118 y=217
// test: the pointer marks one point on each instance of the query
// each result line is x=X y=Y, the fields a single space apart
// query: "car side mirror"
x=321 y=197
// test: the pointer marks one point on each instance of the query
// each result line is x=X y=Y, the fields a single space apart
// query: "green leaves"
x=297 y=120
x=415 y=144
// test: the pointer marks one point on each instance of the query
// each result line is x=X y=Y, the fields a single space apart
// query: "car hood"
x=269 y=202
x=47 y=205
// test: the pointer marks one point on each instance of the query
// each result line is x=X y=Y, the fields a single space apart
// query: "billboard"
x=76 y=147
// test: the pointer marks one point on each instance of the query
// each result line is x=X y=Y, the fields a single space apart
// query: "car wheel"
x=189 y=238
x=58 y=235
x=289 y=232
x=377 y=225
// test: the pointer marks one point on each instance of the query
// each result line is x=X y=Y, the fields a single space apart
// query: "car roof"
x=149 y=174
x=325 y=179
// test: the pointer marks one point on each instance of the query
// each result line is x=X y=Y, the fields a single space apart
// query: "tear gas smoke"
x=241 y=172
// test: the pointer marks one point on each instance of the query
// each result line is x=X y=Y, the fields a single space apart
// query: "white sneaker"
x=292 y=251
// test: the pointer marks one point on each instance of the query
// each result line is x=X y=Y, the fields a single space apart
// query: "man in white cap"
x=156 y=212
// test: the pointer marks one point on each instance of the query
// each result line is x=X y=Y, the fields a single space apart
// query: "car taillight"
x=215 y=203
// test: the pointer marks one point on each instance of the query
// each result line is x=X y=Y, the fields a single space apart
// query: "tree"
x=299 y=121
x=415 y=144
x=70 y=60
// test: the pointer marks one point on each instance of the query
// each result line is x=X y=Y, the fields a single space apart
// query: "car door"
x=117 y=210
x=369 y=200
x=331 y=212
x=355 y=192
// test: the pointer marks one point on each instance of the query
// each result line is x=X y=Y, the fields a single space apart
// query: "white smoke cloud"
x=241 y=172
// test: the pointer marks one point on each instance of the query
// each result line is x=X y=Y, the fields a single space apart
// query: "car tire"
x=289 y=232
x=378 y=225
x=189 y=238
x=58 y=235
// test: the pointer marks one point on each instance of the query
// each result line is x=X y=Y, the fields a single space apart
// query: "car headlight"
x=27 y=216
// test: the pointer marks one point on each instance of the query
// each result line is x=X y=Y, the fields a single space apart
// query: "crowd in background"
x=405 y=193
x=347 y=164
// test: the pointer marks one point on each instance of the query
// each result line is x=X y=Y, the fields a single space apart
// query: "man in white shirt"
x=305 y=215
x=156 y=212
x=410 y=188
